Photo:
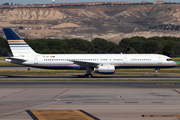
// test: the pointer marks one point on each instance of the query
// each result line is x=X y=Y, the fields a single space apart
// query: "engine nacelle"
x=105 y=69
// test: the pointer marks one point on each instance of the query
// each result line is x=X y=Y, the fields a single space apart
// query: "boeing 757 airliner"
x=23 y=54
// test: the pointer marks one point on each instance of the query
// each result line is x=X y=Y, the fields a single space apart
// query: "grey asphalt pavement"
x=90 y=84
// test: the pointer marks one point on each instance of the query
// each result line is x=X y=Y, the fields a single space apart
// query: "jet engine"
x=105 y=69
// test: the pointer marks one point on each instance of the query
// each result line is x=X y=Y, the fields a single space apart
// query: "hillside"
x=110 y=22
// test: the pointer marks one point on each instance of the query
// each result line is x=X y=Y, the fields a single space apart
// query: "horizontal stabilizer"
x=14 y=59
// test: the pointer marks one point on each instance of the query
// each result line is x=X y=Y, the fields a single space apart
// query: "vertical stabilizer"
x=18 y=46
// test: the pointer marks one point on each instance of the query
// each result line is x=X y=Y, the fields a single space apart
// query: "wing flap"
x=85 y=64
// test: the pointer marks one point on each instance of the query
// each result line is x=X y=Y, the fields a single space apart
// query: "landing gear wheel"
x=85 y=75
x=155 y=75
x=88 y=75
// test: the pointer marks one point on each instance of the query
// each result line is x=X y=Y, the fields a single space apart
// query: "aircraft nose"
x=174 y=63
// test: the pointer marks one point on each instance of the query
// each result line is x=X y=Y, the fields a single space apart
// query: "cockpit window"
x=169 y=59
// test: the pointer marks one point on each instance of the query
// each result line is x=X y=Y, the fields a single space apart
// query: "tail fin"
x=18 y=46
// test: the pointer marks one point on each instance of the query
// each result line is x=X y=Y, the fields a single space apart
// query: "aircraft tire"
x=85 y=75
x=90 y=76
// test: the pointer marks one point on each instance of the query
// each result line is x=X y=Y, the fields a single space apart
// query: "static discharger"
x=60 y=115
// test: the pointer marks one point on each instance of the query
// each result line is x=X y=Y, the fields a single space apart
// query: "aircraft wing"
x=85 y=64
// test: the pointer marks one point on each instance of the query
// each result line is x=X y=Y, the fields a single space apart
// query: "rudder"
x=18 y=46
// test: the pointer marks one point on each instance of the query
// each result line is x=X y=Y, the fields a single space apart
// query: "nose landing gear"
x=156 y=72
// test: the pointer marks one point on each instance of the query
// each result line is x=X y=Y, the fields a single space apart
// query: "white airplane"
x=23 y=54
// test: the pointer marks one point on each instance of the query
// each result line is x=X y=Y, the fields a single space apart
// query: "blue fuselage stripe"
x=17 y=44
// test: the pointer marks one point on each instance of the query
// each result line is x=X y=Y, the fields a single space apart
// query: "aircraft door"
x=36 y=60
x=125 y=60
x=159 y=60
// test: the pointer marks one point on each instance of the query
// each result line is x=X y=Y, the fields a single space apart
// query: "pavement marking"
x=68 y=102
x=32 y=115
x=13 y=93
x=95 y=102
x=166 y=84
x=156 y=102
x=176 y=115
x=131 y=102
x=176 y=91
x=60 y=115
x=22 y=110
x=60 y=94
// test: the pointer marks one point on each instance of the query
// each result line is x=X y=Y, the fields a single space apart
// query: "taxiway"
x=103 y=100
x=112 y=77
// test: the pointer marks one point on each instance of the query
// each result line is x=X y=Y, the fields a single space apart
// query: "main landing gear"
x=88 y=75
x=156 y=72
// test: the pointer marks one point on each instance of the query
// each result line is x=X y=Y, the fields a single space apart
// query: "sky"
x=74 y=1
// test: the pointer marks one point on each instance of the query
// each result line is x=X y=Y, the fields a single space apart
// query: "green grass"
x=26 y=73
x=176 y=59
x=120 y=72
x=103 y=80
x=1 y=58
x=148 y=70
x=7 y=64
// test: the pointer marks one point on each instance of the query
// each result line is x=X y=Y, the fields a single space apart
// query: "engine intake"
x=105 y=69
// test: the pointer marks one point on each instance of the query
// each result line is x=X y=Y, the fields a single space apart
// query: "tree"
x=54 y=51
x=6 y=3
x=72 y=51
x=159 y=49
x=112 y=47
x=62 y=51
x=38 y=51
x=46 y=51
x=62 y=45
x=149 y=46
x=124 y=44
x=168 y=47
x=100 y=45
x=137 y=45
x=37 y=44
x=131 y=50
x=160 y=45
x=52 y=44
x=4 y=48
x=175 y=52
